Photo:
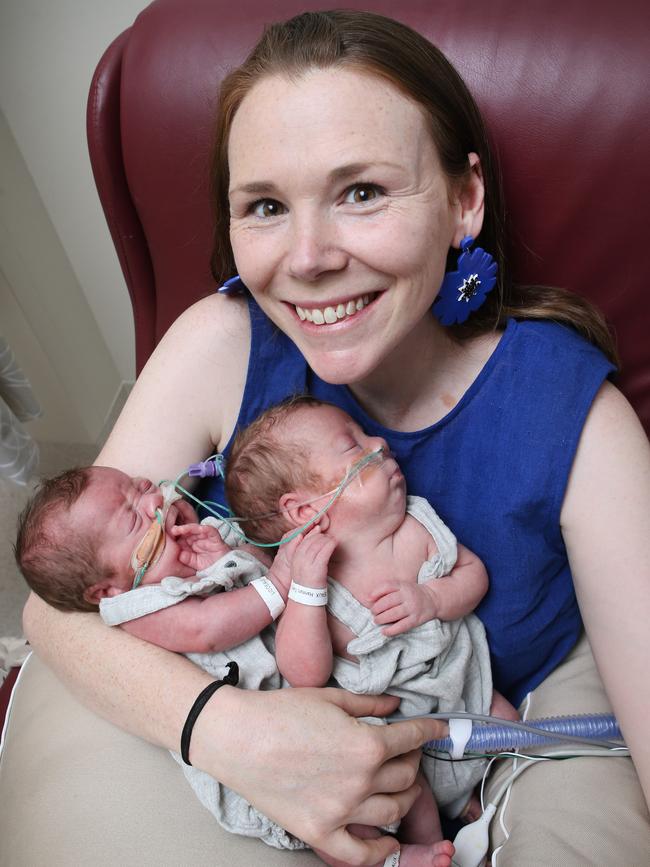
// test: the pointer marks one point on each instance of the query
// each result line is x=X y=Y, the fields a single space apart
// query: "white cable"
x=472 y=842
x=502 y=812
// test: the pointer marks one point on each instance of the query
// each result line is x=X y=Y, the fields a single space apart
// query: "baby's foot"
x=426 y=854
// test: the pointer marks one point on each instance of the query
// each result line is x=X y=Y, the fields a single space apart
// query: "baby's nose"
x=151 y=501
x=380 y=443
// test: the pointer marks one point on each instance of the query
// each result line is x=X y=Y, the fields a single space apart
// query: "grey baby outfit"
x=435 y=667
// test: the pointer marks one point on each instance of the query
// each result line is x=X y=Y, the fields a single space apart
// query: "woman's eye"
x=359 y=194
x=266 y=208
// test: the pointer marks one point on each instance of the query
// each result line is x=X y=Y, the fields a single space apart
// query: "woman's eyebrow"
x=255 y=188
x=353 y=170
x=347 y=171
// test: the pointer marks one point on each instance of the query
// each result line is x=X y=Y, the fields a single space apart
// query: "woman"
x=353 y=161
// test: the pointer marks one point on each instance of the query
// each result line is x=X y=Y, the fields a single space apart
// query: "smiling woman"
x=356 y=216
x=351 y=163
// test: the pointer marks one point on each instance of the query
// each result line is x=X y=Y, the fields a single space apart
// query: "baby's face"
x=118 y=510
x=334 y=443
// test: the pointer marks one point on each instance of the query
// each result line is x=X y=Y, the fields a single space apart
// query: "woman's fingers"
x=403 y=737
x=398 y=774
x=379 y=810
x=397 y=738
x=353 y=850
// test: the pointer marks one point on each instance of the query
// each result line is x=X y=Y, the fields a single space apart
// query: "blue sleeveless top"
x=495 y=469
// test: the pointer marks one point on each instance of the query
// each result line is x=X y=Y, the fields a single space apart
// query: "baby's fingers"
x=400 y=626
x=382 y=589
x=387 y=602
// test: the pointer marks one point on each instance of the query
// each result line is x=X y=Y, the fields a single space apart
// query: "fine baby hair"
x=263 y=465
x=58 y=560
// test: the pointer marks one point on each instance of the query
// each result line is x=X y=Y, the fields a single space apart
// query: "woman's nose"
x=314 y=247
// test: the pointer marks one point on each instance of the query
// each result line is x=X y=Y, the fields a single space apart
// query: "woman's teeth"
x=329 y=315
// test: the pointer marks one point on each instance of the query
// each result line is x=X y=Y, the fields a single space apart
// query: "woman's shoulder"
x=555 y=334
x=557 y=343
x=213 y=316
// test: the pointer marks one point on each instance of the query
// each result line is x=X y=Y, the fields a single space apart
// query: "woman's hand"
x=301 y=757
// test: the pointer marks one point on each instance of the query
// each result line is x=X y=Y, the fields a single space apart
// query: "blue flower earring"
x=234 y=286
x=465 y=289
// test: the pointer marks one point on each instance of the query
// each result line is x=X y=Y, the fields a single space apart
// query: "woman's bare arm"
x=285 y=751
x=186 y=400
x=606 y=527
x=315 y=769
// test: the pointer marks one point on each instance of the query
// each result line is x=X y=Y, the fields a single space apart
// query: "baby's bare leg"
x=502 y=708
x=420 y=832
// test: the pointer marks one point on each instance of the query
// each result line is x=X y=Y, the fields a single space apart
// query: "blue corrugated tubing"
x=500 y=738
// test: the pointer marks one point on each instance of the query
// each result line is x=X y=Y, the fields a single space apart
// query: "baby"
x=78 y=545
x=387 y=625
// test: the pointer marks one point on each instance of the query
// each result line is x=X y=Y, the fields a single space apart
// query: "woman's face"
x=341 y=216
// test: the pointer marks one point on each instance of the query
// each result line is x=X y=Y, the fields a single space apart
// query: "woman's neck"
x=424 y=378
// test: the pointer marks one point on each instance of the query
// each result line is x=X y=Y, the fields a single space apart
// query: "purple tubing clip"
x=207 y=469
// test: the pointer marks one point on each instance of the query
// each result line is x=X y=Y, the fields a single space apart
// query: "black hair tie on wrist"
x=231 y=679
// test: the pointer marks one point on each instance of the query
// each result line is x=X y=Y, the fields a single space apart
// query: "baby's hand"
x=199 y=545
x=403 y=605
x=311 y=559
x=281 y=568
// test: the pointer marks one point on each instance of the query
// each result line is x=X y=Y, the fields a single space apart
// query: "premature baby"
x=378 y=591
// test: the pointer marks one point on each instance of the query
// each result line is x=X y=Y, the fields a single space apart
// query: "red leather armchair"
x=563 y=87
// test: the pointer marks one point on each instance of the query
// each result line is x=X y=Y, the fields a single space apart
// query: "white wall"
x=48 y=52
x=45 y=316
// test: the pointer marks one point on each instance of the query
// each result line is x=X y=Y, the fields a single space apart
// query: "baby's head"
x=77 y=536
x=297 y=451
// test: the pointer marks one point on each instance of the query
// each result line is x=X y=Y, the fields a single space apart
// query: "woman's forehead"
x=344 y=114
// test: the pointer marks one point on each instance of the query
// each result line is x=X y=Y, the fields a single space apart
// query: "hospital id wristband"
x=270 y=596
x=308 y=595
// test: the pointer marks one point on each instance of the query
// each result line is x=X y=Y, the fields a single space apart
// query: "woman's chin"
x=340 y=368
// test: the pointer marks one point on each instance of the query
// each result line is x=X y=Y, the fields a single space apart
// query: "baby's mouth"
x=330 y=315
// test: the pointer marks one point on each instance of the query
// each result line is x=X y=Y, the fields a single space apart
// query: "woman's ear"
x=299 y=512
x=470 y=199
x=101 y=590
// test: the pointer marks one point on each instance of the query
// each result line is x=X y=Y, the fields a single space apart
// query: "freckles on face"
x=341 y=218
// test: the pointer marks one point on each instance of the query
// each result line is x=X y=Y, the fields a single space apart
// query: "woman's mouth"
x=336 y=313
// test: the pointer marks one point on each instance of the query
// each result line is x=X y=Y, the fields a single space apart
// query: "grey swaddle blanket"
x=437 y=666
x=257 y=670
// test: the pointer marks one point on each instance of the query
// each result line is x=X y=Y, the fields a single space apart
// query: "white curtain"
x=18 y=452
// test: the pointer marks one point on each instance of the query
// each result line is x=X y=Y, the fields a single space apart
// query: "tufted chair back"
x=563 y=88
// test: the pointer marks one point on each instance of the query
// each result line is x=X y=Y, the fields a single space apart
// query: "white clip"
x=460 y=731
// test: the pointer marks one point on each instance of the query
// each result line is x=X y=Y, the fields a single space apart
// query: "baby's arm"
x=303 y=645
x=405 y=605
x=209 y=623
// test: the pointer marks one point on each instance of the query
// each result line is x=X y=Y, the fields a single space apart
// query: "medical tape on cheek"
x=367 y=460
x=150 y=549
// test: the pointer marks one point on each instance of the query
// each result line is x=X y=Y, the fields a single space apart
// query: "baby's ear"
x=299 y=512
x=101 y=590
